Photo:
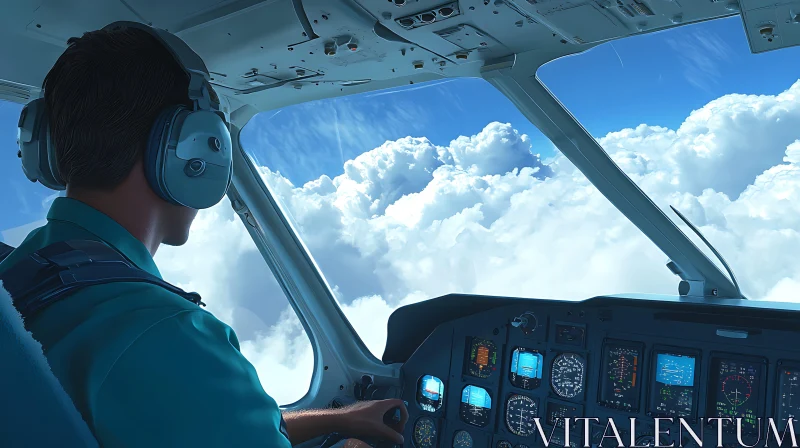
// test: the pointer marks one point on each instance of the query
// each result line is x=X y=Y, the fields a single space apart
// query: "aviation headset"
x=188 y=158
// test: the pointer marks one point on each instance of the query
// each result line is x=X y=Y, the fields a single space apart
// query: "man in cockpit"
x=145 y=367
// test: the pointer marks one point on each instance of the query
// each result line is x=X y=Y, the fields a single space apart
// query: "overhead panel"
x=439 y=14
x=468 y=38
x=48 y=22
x=163 y=13
x=771 y=25
x=584 y=23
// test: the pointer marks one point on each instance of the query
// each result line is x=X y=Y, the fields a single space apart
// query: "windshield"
x=691 y=117
x=412 y=193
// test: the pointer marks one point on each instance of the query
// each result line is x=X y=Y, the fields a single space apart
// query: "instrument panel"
x=515 y=375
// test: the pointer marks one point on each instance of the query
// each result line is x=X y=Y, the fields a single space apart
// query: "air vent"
x=433 y=15
x=634 y=8
x=642 y=8
x=17 y=93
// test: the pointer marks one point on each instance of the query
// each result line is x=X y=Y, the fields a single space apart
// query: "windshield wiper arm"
x=718 y=255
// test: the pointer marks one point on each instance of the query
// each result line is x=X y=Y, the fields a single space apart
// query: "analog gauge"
x=482 y=358
x=504 y=444
x=424 y=433
x=526 y=368
x=567 y=375
x=475 y=406
x=462 y=439
x=430 y=393
x=521 y=412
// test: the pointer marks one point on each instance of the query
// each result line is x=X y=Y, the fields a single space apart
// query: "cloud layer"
x=410 y=220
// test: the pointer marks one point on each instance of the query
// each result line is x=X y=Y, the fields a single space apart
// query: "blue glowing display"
x=476 y=397
x=527 y=364
x=675 y=370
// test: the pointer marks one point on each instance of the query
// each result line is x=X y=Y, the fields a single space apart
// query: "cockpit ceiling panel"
x=771 y=25
x=167 y=14
x=585 y=24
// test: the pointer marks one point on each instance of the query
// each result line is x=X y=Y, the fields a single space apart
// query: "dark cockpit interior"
x=480 y=373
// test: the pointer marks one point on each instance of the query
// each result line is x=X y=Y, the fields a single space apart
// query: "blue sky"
x=655 y=79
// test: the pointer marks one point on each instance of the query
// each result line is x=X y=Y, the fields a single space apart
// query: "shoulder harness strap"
x=60 y=269
x=5 y=251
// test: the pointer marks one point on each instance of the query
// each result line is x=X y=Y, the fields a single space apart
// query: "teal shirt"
x=145 y=367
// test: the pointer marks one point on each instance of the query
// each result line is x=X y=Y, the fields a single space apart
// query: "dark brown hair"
x=103 y=96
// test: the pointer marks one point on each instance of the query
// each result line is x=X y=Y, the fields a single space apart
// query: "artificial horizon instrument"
x=475 y=371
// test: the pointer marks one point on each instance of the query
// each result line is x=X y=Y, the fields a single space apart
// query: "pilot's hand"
x=364 y=419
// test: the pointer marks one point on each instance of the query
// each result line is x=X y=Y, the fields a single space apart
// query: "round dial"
x=462 y=439
x=567 y=375
x=504 y=444
x=520 y=414
x=737 y=389
x=424 y=433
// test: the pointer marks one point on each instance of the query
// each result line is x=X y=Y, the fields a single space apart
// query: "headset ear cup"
x=197 y=172
x=38 y=156
x=154 y=152
x=51 y=166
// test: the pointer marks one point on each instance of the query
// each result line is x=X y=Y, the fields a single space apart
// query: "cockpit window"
x=689 y=115
x=416 y=192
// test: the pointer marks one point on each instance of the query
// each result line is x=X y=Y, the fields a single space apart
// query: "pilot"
x=144 y=366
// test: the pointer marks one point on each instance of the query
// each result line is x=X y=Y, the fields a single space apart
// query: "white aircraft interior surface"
x=476 y=370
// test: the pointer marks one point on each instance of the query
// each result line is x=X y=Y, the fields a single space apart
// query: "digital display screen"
x=788 y=399
x=475 y=406
x=430 y=393
x=556 y=413
x=736 y=391
x=570 y=335
x=526 y=368
x=481 y=358
x=621 y=380
x=673 y=389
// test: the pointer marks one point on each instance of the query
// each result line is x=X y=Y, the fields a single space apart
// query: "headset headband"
x=190 y=62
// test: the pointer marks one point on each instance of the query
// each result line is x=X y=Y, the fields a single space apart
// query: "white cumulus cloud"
x=410 y=220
